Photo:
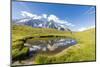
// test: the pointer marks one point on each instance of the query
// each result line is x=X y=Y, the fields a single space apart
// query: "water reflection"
x=49 y=45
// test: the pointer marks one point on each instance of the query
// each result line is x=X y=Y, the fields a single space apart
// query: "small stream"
x=50 y=46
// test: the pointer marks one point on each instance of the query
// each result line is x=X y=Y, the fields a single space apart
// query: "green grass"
x=21 y=33
x=19 y=54
x=84 y=50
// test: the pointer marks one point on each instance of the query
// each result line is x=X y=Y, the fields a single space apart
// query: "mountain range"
x=41 y=22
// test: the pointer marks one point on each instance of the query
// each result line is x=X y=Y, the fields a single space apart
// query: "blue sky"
x=79 y=16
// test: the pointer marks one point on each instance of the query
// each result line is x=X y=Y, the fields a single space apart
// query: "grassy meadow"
x=21 y=33
x=84 y=50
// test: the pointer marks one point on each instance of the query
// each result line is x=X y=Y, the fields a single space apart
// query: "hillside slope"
x=20 y=32
x=84 y=50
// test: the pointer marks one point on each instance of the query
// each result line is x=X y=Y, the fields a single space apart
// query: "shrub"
x=20 y=54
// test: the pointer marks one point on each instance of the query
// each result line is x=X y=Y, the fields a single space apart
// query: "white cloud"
x=86 y=28
x=24 y=20
x=56 y=19
x=27 y=14
x=44 y=15
x=53 y=17
x=37 y=17
x=48 y=17
x=90 y=11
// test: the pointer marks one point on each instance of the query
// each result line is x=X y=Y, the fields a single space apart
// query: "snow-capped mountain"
x=42 y=21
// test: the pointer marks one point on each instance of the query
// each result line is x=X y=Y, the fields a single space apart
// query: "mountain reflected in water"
x=48 y=45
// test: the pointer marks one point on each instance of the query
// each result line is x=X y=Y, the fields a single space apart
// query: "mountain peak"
x=42 y=21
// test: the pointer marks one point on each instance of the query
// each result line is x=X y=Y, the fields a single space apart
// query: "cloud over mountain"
x=50 y=17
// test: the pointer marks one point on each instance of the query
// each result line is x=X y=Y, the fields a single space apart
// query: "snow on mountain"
x=43 y=21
